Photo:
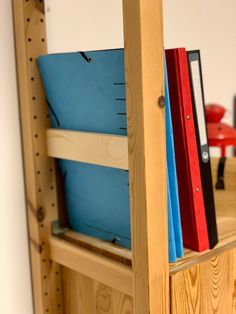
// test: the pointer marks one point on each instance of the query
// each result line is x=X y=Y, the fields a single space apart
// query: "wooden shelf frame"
x=73 y=273
x=53 y=259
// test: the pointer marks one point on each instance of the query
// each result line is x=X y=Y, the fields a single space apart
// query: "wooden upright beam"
x=147 y=153
x=30 y=42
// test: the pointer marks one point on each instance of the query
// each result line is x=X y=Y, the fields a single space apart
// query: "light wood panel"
x=87 y=296
x=206 y=288
x=94 y=266
x=147 y=153
x=39 y=169
x=99 y=149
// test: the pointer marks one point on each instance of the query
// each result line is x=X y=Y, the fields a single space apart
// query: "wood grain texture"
x=86 y=296
x=104 y=270
x=30 y=42
x=147 y=153
x=206 y=288
x=99 y=149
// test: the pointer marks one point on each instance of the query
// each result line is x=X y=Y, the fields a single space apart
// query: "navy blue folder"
x=86 y=92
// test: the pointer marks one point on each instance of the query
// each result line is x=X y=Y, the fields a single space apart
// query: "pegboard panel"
x=40 y=179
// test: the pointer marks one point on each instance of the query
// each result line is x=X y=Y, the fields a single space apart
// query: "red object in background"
x=219 y=134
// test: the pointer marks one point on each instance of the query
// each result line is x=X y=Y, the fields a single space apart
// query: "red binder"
x=193 y=217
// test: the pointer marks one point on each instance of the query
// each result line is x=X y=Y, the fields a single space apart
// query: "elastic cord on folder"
x=54 y=114
x=86 y=58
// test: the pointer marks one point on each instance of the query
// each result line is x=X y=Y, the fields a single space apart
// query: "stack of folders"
x=86 y=92
x=191 y=149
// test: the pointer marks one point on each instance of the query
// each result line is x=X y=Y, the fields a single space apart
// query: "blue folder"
x=173 y=200
x=86 y=92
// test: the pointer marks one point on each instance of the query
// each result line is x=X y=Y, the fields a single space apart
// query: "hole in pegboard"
x=35 y=117
x=37 y=154
x=43 y=243
x=47 y=310
x=50 y=170
x=43 y=40
x=36 y=136
x=58 y=305
x=31 y=59
x=42 y=225
x=29 y=39
x=57 y=273
x=38 y=172
x=41 y=20
x=47 y=116
x=46 y=294
x=53 y=205
x=58 y=289
x=45 y=277
x=28 y=19
x=32 y=79
x=34 y=98
x=52 y=187
x=39 y=190
x=44 y=260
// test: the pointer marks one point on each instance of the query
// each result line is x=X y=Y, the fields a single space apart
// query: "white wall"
x=15 y=285
x=211 y=27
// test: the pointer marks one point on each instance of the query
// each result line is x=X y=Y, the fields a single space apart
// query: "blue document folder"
x=86 y=92
x=173 y=205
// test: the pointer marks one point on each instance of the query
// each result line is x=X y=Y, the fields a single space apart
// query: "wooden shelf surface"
x=226 y=222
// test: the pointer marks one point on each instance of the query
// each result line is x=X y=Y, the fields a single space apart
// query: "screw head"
x=161 y=101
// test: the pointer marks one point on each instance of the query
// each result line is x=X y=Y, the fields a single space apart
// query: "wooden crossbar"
x=99 y=149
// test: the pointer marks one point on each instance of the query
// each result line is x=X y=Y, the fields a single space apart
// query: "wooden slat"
x=206 y=288
x=99 y=149
x=144 y=63
x=30 y=41
x=99 y=246
x=113 y=274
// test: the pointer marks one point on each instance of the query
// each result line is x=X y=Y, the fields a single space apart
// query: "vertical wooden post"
x=147 y=153
x=30 y=42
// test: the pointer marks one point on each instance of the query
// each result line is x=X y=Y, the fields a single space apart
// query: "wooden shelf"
x=227 y=240
x=226 y=222
x=225 y=202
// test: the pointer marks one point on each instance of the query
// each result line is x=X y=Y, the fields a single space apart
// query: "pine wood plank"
x=147 y=150
x=99 y=149
x=206 y=288
x=30 y=41
x=92 y=265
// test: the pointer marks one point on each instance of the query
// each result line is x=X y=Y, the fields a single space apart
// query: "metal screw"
x=161 y=101
x=188 y=117
x=40 y=214
x=197 y=189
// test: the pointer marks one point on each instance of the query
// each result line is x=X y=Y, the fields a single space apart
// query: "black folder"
x=195 y=71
